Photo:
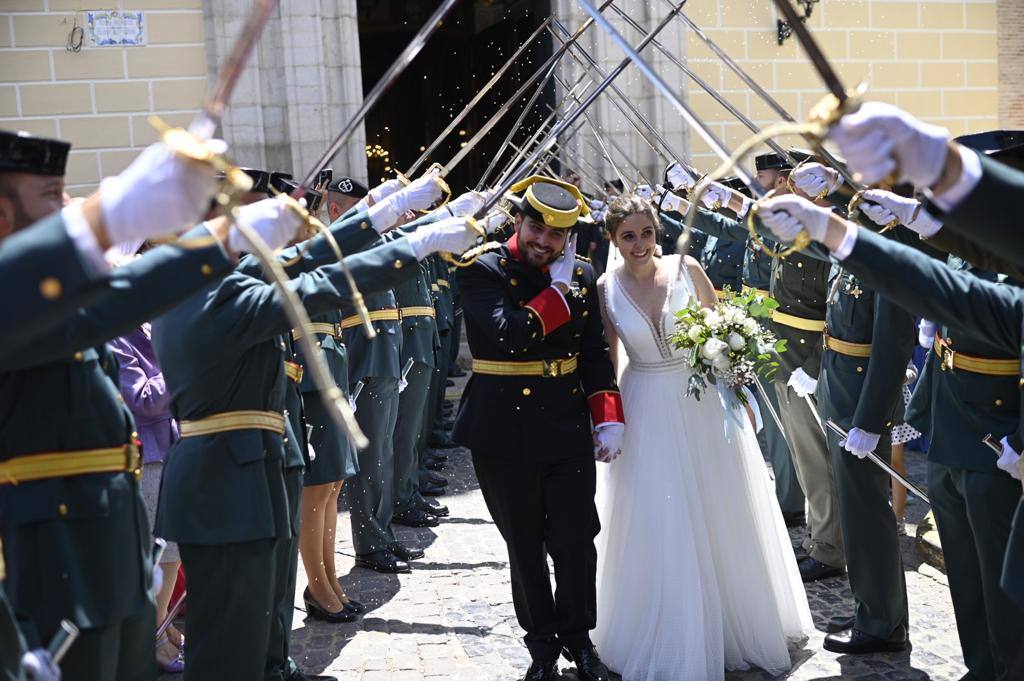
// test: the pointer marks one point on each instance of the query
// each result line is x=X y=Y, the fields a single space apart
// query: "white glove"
x=879 y=139
x=1009 y=460
x=599 y=214
x=674 y=203
x=159 y=193
x=38 y=665
x=561 y=270
x=271 y=219
x=802 y=384
x=597 y=204
x=815 y=180
x=494 y=221
x=744 y=207
x=463 y=205
x=385 y=189
x=608 y=441
x=883 y=207
x=402 y=385
x=786 y=215
x=644 y=191
x=417 y=196
x=715 y=193
x=926 y=333
x=352 y=403
x=677 y=177
x=860 y=442
x=453 y=235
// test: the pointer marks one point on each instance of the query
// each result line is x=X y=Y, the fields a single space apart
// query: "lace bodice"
x=646 y=340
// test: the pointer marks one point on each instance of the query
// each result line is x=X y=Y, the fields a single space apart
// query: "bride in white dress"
x=696 y=572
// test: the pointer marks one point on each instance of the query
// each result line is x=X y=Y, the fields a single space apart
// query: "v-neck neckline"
x=658 y=328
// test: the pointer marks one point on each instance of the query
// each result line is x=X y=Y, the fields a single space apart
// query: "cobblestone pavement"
x=452 y=618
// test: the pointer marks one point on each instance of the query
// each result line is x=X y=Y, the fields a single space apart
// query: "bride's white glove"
x=802 y=384
x=860 y=442
x=608 y=441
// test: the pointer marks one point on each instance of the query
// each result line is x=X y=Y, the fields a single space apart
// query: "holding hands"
x=608 y=441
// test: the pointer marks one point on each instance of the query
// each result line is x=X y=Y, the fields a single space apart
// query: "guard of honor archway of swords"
x=547 y=143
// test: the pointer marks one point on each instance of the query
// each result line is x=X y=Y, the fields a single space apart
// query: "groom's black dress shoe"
x=542 y=671
x=588 y=665
x=856 y=642
x=382 y=561
x=300 y=675
x=812 y=570
x=837 y=624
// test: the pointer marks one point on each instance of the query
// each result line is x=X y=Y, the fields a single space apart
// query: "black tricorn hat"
x=325 y=177
x=23 y=152
x=349 y=187
x=260 y=179
x=772 y=160
x=556 y=203
x=1003 y=145
x=283 y=183
x=736 y=184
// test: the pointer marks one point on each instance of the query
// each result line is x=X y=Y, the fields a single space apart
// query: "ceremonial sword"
x=516 y=175
x=877 y=460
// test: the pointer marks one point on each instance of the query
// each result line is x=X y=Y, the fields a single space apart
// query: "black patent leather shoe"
x=856 y=642
x=436 y=510
x=414 y=517
x=382 y=561
x=300 y=675
x=542 y=671
x=811 y=570
x=429 y=489
x=434 y=465
x=837 y=624
x=437 y=480
x=352 y=604
x=437 y=456
x=317 y=612
x=405 y=553
x=588 y=665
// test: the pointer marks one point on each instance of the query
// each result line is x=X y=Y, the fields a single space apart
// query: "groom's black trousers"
x=544 y=509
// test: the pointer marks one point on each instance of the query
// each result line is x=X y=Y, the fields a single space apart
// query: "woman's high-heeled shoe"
x=317 y=612
x=354 y=605
x=172 y=665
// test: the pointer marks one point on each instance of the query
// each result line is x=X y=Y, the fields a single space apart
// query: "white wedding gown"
x=696 y=572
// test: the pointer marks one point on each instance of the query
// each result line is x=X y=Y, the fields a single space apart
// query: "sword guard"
x=802 y=241
x=829 y=109
x=853 y=210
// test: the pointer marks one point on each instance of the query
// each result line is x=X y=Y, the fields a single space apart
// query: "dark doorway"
x=478 y=37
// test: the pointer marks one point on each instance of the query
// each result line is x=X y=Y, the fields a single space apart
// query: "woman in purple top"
x=143 y=390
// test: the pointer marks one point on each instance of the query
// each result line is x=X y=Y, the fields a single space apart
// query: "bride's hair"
x=626 y=206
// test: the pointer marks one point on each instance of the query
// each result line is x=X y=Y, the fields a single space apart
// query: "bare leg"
x=330 y=530
x=168 y=650
x=899 y=492
x=311 y=545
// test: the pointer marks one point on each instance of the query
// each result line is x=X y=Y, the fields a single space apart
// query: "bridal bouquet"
x=727 y=343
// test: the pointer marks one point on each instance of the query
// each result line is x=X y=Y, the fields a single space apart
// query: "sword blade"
x=878 y=461
x=684 y=110
x=476 y=99
x=814 y=53
x=771 y=410
x=574 y=114
x=227 y=76
x=382 y=86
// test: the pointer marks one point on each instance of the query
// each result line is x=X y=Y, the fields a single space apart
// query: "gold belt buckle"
x=337 y=330
x=947 y=358
x=552 y=368
x=134 y=459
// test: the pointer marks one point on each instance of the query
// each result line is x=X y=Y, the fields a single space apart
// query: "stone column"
x=300 y=87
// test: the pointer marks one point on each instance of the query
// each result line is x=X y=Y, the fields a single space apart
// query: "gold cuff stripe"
x=66 y=464
x=389 y=315
x=551 y=368
x=234 y=420
x=798 y=322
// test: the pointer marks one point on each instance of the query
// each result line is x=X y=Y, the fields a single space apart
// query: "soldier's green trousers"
x=1013 y=564
x=436 y=416
x=408 y=430
x=873 y=557
x=12 y=644
x=370 y=494
x=230 y=591
x=117 y=652
x=824 y=541
x=973 y=514
x=280 y=665
x=787 y=487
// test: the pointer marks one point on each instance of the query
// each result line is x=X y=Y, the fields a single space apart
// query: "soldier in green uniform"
x=76 y=538
x=225 y=499
x=973 y=391
x=799 y=284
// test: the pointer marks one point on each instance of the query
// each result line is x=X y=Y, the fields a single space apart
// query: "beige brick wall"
x=98 y=98
x=1010 y=44
x=936 y=59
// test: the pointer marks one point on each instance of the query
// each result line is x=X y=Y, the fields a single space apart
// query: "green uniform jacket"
x=78 y=547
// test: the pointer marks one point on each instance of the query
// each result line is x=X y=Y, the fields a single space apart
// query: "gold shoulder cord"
x=235 y=183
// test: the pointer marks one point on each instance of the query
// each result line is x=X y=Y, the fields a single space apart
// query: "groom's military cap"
x=23 y=152
x=556 y=203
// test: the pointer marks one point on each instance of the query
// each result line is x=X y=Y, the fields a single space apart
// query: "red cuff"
x=606 y=407
x=550 y=308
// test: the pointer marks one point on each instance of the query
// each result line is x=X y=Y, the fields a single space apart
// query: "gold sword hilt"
x=802 y=241
x=446 y=191
x=853 y=211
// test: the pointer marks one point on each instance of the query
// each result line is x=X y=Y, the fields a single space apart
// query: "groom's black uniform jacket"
x=513 y=316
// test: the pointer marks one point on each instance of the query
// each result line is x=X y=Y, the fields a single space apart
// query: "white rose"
x=694 y=333
x=705 y=311
x=736 y=341
x=713 y=349
x=733 y=314
x=750 y=325
x=713 y=319
x=721 y=364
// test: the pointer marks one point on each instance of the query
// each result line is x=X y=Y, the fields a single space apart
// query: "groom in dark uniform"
x=541 y=404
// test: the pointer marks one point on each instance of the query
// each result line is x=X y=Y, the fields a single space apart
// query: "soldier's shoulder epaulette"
x=583 y=258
